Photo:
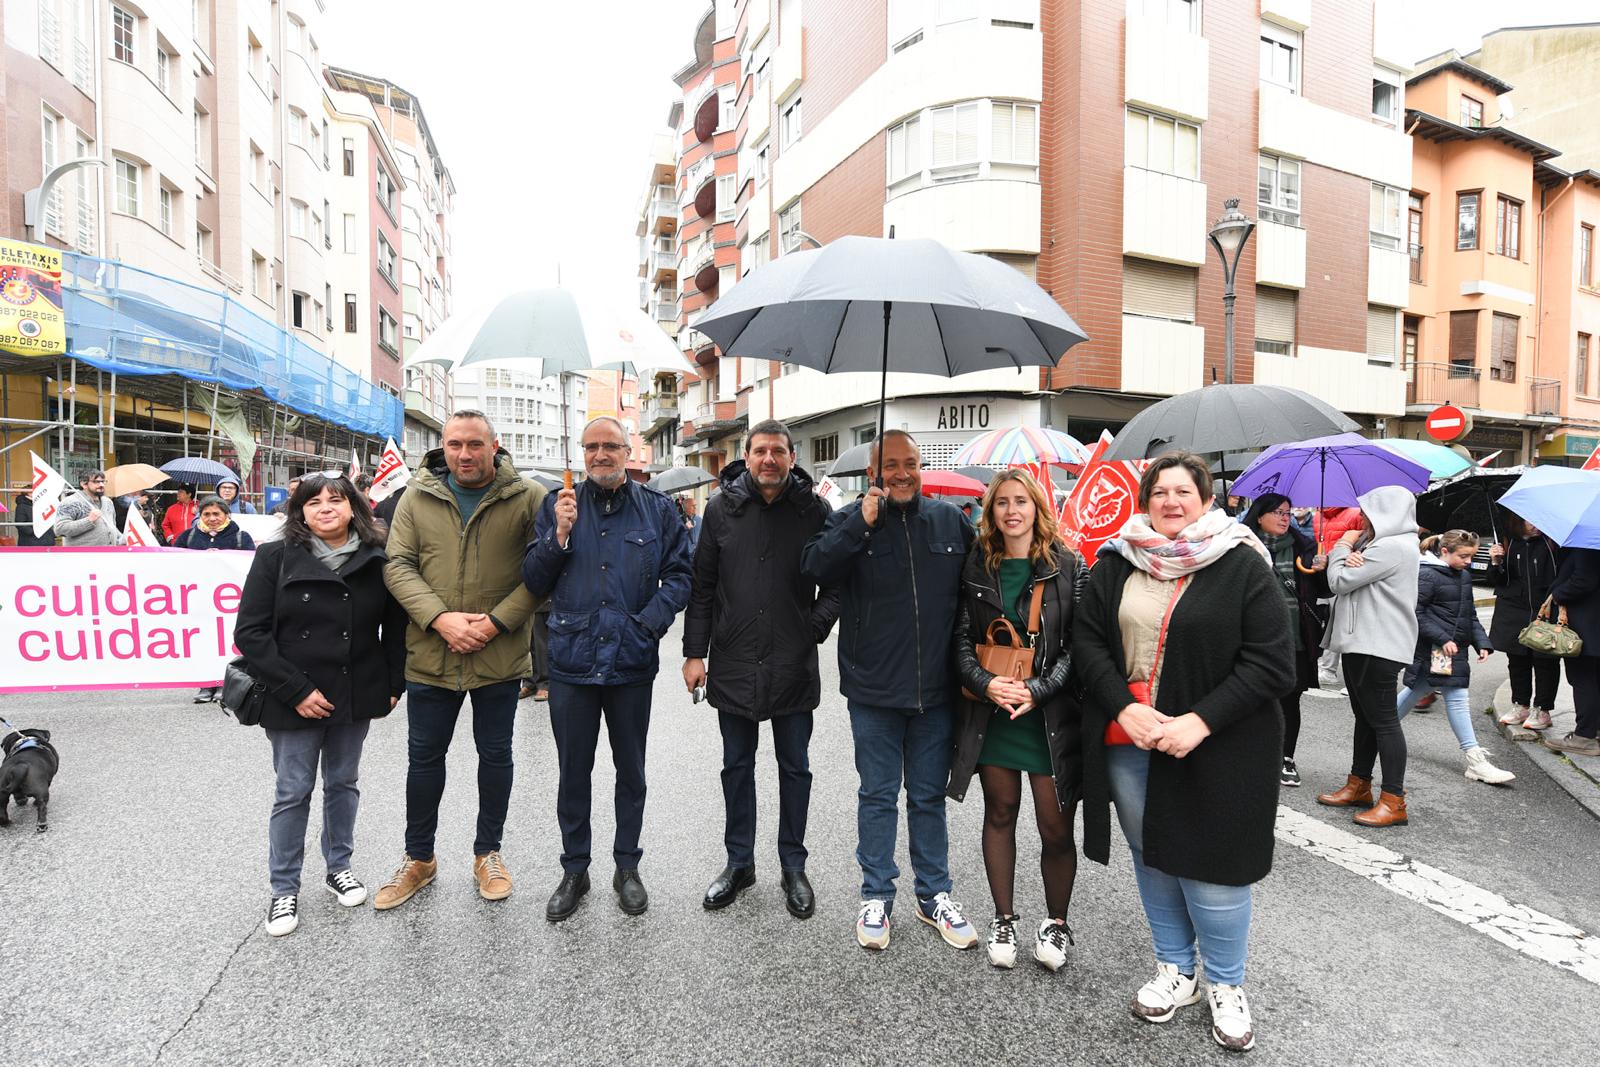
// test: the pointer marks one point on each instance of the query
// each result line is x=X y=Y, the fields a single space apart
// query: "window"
x=164 y=70
x=789 y=124
x=1586 y=255
x=1507 y=227
x=260 y=278
x=757 y=252
x=388 y=331
x=202 y=243
x=1582 y=377
x=763 y=163
x=326 y=142
x=327 y=305
x=1170 y=146
x=905 y=150
x=1467 y=221
x=1014 y=133
x=127 y=187
x=350 y=233
x=1471 y=112
x=1177 y=14
x=1414 y=235
x=1385 y=97
x=49 y=140
x=297 y=218
x=1382 y=329
x=955 y=136
x=1503 y=348
x=202 y=138
x=350 y=315
x=385 y=258
x=1385 y=224
x=349 y=157
x=1275 y=317
x=297 y=126
x=385 y=189
x=1278 y=190
x=728 y=103
x=727 y=196
x=1463 y=344
x=825 y=449
x=165 y=197
x=299 y=311
x=316 y=225
x=1158 y=290
x=788 y=227
x=122 y=35
x=257 y=56
x=1280 y=57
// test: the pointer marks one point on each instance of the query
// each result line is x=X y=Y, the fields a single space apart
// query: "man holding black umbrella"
x=897 y=558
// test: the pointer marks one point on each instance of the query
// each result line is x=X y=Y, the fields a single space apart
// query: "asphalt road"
x=133 y=929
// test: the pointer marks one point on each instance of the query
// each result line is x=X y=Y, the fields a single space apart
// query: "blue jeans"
x=791 y=734
x=1180 y=910
x=431 y=713
x=295 y=754
x=895 y=745
x=575 y=714
x=1457 y=708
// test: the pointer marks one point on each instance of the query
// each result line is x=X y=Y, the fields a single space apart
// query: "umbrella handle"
x=1302 y=568
x=566 y=478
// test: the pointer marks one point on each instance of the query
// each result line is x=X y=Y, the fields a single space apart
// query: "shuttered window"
x=1503 y=348
x=955 y=135
x=1380 y=334
x=1014 y=133
x=1464 y=338
x=1158 y=290
x=1275 y=320
x=1025 y=264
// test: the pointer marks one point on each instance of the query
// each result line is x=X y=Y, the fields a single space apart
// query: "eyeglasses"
x=591 y=447
x=1284 y=513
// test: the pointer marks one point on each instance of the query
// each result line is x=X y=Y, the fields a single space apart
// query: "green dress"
x=1019 y=743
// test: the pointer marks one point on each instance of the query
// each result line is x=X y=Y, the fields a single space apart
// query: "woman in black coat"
x=1027 y=726
x=1302 y=581
x=1577 y=588
x=320 y=632
x=1522 y=571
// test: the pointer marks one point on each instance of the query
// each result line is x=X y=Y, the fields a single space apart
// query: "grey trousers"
x=295 y=754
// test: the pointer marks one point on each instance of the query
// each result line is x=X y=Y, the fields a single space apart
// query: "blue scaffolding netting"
x=130 y=321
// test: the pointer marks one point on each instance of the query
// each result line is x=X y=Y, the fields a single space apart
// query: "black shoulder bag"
x=242 y=696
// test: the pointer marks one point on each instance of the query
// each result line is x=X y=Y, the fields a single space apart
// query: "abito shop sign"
x=31 y=319
x=116 y=618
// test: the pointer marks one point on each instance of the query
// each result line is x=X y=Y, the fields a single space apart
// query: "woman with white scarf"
x=1182 y=649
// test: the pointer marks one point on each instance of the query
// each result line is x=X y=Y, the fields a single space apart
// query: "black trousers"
x=1534 y=680
x=1374 y=692
x=791 y=737
x=539 y=648
x=1583 y=674
x=575 y=714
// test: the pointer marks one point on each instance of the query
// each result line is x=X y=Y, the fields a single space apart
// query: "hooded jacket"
x=437 y=564
x=230 y=536
x=759 y=617
x=239 y=505
x=1445 y=612
x=1375 y=605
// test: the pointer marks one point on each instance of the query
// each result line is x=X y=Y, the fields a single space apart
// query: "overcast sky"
x=544 y=112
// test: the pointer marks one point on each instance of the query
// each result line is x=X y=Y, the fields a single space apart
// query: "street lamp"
x=795 y=239
x=1228 y=236
x=33 y=199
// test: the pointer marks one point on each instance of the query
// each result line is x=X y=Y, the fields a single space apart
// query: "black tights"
x=1002 y=798
x=1291 y=721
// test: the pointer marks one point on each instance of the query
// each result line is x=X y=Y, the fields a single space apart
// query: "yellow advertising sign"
x=31 y=319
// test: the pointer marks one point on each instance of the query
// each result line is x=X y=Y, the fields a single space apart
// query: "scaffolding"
x=159 y=356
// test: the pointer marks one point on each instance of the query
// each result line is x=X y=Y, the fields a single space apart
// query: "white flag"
x=391 y=474
x=831 y=493
x=135 y=531
x=47 y=489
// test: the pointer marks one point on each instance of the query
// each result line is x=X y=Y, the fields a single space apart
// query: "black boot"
x=727 y=886
x=797 y=894
x=631 y=895
x=564 y=901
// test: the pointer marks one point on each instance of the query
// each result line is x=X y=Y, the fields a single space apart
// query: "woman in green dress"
x=1020 y=726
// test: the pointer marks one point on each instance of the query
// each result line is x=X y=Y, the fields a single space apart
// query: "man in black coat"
x=1577 y=589
x=761 y=619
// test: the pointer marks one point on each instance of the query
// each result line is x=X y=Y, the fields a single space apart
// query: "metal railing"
x=1443 y=383
x=666 y=311
x=663 y=261
x=1416 y=263
x=1544 y=396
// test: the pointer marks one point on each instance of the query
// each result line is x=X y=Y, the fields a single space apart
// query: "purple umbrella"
x=1328 y=471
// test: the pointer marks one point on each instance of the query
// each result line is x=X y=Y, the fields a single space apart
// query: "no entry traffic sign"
x=1447 y=423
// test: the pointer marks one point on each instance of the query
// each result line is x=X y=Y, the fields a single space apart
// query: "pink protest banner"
x=116 y=618
x=1103 y=500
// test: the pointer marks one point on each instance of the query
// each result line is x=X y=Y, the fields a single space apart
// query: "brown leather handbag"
x=1014 y=659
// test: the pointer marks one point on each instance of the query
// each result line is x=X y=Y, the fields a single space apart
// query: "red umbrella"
x=949 y=483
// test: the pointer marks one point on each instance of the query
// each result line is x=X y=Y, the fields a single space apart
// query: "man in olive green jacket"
x=455 y=553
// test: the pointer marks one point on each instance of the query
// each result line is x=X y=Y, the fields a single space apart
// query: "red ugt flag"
x=1103 y=500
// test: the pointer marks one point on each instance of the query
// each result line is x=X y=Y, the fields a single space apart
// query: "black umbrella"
x=681 y=479
x=1227 y=418
x=852 y=461
x=876 y=304
x=1468 y=501
x=983 y=474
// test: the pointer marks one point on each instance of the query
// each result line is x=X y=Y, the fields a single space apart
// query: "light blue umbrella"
x=1441 y=462
x=1563 y=502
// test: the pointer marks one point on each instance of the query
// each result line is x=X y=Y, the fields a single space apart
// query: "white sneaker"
x=1329 y=691
x=1516 y=715
x=1002 y=943
x=1538 y=719
x=872 y=925
x=344 y=886
x=1479 y=769
x=284 y=915
x=1230 y=1018
x=1160 y=998
x=1050 y=946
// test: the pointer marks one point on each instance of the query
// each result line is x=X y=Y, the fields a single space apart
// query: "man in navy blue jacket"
x=613 y=556
x=897 y=557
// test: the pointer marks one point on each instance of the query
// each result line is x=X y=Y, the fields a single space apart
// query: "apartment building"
x=425 y=278
x=1557 y=80
x=1090 y=146
x=526 y=412
x=657 y=230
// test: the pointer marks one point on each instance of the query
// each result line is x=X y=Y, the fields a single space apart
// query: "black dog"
x=30 y=766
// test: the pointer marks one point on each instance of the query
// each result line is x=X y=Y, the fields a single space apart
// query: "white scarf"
x=1196 y=547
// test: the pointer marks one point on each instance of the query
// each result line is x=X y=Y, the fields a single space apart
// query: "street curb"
x=1579 y=777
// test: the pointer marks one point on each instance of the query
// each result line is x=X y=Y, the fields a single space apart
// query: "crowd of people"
x=1164 y=683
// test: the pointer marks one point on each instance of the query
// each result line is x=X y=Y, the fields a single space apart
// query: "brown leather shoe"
x=412 y=875
x=494 y=881
x=1356 y=792
x=1389 y=811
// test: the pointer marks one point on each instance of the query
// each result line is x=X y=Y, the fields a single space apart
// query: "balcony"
x=1163 y=216
x=667 y=312
x=1167 y=69
x=1432 y=384
x=1161 y=357
x=705 y=197
x=706 y=113
x=663 y=217
x=1280 y=255
x=704 y=269
x=1388 y=284
x=664 y=268
x=659 y=412
x=1544 y=396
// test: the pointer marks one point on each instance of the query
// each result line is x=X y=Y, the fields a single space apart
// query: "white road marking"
x=1530 y=932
